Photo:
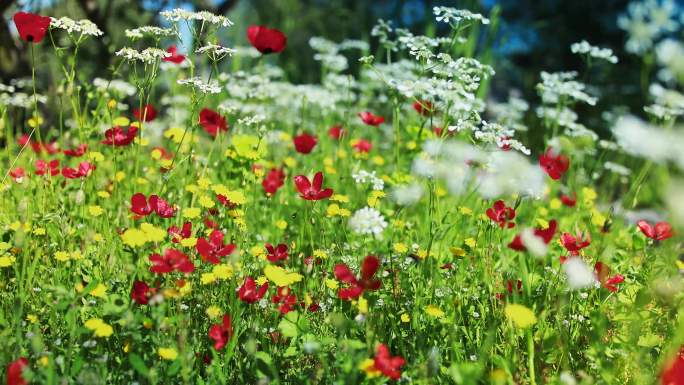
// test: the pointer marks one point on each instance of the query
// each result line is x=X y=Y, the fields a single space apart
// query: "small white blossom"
x=83 y=27
x=368 y=221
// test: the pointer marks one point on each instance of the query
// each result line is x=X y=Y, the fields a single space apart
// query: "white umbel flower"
x=140 y=32
x=196 y=82
x=368 y=221
x=83 y=27
x=584 y=48
x=578 y=274
x=456 y=16
x=203 y=16
x=148 y=55
x=215 y=51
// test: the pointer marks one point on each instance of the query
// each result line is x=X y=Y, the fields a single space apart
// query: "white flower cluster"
x=670 y=54
x=214 y=51
x=492 y=174
x=646 y=21
x=584 y=48
x=363 y=177
x=407 y=194
x=327 y=52
x=368 y=221
x=578 y=274
x=204 y=16
x=456 y=16
x=641 y=139
x=559 y=86
x=118 y=86
x=83 y=27
x=510 y=113
x=566 y=118
x=502 y=137
x=141 y=32
x=148 y=55
x=20 y=99
x=202 y=86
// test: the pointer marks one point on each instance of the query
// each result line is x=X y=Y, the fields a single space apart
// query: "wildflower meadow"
x=194 y=217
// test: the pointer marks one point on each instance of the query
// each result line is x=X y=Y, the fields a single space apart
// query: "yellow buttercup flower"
x=400 y=247
x=521 y=316
x=95 y=210
x=434 y=311
x=280 y=276
x=191 y=212
x=99 y=327
x=167 y=353
x=99 y=291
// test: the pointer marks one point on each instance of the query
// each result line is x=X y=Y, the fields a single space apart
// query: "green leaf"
x=138 y=364
x=293 y=324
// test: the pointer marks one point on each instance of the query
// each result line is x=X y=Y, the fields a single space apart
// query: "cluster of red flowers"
x=357 y=286
x=658 y=232
x=370 y=119
x=502 y=214
x=273 y=180
x=554 y=165
x=212 y=122
x=546 y=235
x=142 y=206
x=213 y=248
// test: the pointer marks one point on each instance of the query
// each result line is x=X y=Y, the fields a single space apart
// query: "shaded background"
x=532 y=35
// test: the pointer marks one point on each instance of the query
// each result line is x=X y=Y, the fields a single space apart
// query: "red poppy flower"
x=336 y=132
x=141 y=293
x=38 y=147
x=286 y=299
x=147 y=114
x=278 y=253
x=266 y=40
x=213 y=249
x=31 y=27
x=141 y=206
x=423 y=107
x=545 y=234
x=602 y=272
x=249 y=293
x=175 y=56
x=84 y=169
x=387 y=365
x=118 y=136
x=356 y=287
x=43 y=167
x=555 y=165
x=212 y=122
x=363 y=146
x=15 y=370
x=501 y=214
x=569 y=201
x=573 y=243
x=274 y=180
x=304 y=143
x=673 y=374
x=177 y=234
x=370 y=119
x=312 y=192
x=660 y=232
x=221 y=333
x=80 y=150
x=172 y=260
x=25 y=140
x=18 y=174
x=509 y=289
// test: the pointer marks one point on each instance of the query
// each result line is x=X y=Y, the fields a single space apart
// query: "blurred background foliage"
x=528 y=37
